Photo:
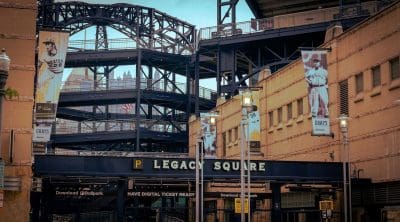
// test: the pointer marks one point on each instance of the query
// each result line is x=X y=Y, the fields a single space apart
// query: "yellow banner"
x=238 y=205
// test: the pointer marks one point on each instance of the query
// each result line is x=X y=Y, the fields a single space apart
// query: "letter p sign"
x=137 y=164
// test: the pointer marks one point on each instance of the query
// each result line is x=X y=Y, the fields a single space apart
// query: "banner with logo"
x=209 y=135
x=52 y=50
x=316 y=76
x=254 y=124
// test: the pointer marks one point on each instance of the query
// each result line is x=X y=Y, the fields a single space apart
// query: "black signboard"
x=184 y=168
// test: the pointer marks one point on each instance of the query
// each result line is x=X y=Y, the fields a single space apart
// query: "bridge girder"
x=149 y=27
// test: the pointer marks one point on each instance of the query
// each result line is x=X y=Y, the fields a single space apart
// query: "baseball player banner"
x=254 y=124
x=209 y=135
x=52 y=50
x=316 y=75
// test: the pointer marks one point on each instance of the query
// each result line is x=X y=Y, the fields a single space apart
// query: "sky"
x=201 y=13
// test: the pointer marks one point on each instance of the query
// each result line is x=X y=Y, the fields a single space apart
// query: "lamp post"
x=4 y=68
x=211 y=120
x=343 y=122
x=247 y=106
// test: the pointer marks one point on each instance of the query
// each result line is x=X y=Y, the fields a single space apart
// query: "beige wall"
x=17 y=36
x=374 y=127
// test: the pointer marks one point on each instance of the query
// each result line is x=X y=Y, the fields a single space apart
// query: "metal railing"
x=90 y=44
x=67 y=127
x=120 y=153
x=155 y=85
x=289 y=20
x=121 y=43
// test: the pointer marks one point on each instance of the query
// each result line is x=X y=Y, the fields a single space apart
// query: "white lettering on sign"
x=226 y=166
x=235 y=166
x=159 y=194
x=175 y=164
x=80 y=193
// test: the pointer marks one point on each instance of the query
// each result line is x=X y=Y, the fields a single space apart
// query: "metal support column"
x=197 y=86
x=137 y=105
x=219 y=72
x=163 y=208
x=276 y=202
x=107 y=77
x=231 y=4
x=150 y=85
x=189 y=99
x=243 y=143
x=121 y=197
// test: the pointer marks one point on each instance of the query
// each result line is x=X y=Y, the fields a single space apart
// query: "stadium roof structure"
x=269 y=8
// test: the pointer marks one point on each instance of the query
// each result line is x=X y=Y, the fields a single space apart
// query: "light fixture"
x=343 y=121
x=4 y=68
x=212 y=120
x=247 y=100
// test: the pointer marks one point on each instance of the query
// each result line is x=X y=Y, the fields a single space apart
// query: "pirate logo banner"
x=52 y=50
x=316 y=75
x=209 y=135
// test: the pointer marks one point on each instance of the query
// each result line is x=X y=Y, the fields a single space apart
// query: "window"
x=300 y=107
x=230 y=139
x=279 y=114
x=359 y=83
x=271 y=118
x=344 y=97
x=394 y=68
x=376 y=76
x=224 y=143
x=289 y=111
x=236 y=133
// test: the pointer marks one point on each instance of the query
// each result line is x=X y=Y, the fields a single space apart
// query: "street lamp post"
x=198 y=147
x=4 y=68
x=211 y=119
x=247 y=105
x=343 y=122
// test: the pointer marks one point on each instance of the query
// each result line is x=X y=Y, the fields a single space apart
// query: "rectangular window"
x=279 y=114
x=289 y=111
x=236 y=133
x=376 y=76
x=300 y=107
x=344 y=97
x=394 y=68
x=271 y=118
x=224 y=143
x=230 y=139
x=359 y=83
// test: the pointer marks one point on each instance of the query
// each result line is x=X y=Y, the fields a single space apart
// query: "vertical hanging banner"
x=209 y=135
x=254 y=124
x=316 y=76
x=52 y=50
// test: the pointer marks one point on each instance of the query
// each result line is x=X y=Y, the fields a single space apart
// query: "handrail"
x=117 y=44
x=115 y=126
x=88 y=85
x=288 y=20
